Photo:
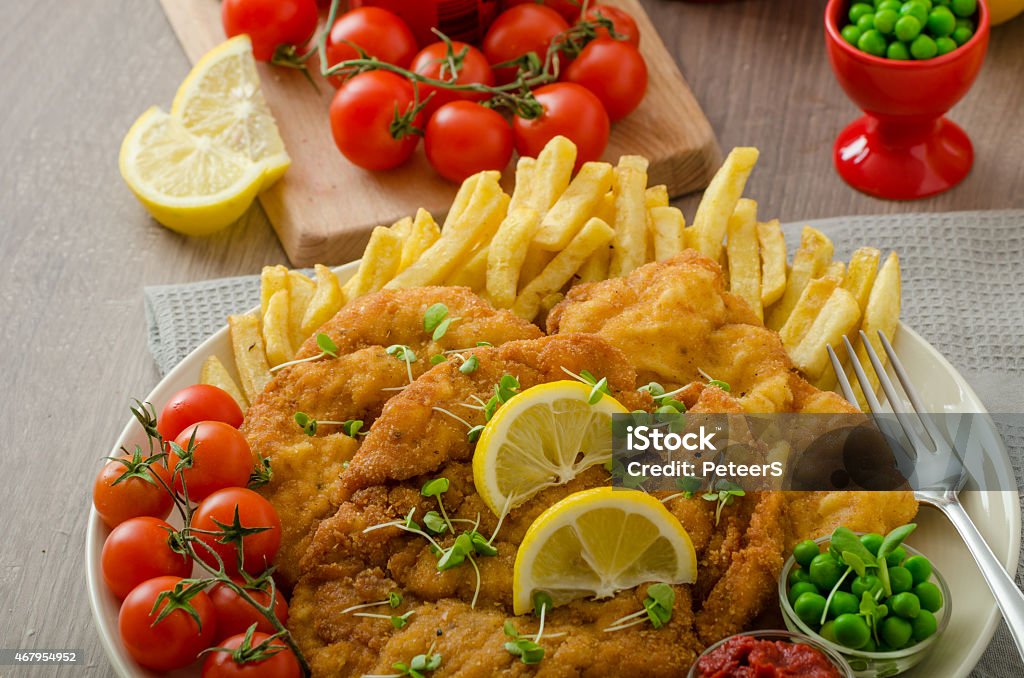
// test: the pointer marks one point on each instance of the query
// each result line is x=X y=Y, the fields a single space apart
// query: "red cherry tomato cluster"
x=167 y=618
x=546 y=68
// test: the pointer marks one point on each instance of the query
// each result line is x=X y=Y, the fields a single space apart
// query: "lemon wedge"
x=598 y=542
x=541 y=437
x=189 y=183
x=221 y=99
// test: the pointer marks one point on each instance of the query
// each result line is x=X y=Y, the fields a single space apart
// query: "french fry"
x=327 y=300
x=814 y=297
x=551 y=173
x=596 y=266
x=276 y=333
x=837 y=270
x=462 y=197
x=250 y=358
x=773 y=261
x=656 y=196
x=507 y=253
x=423 y=233
x=882 y=314
x=576 y=204
x=402 y=228
x=473 y=274
x=744 y=255
x=838 y=316
x=594 y=234
x=272 y=280
x=214 y=373
x=668 y=225
x=810 y=261
x=300 y=293
x=629 y=249
x=475 y=224
x=719 y=202
x=605 y=210
x=380 y=263
x=861 y=274
x=521 y=194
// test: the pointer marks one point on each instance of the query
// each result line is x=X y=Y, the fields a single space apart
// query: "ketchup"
x=465 y=20
x=748 y=657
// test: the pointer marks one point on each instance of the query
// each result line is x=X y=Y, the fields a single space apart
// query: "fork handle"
x=1009 y=598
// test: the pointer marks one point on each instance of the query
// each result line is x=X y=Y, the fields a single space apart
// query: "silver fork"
x=935 y=460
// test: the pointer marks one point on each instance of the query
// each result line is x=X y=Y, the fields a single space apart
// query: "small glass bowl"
x=872 y=664
x=834 y=657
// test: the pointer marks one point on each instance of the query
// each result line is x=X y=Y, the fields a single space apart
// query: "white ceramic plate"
x=975 y=614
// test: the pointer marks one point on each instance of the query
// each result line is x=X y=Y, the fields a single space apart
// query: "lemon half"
x=541 y=437
x=600 y=541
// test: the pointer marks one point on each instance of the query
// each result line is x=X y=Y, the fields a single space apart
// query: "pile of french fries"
x=523 y=251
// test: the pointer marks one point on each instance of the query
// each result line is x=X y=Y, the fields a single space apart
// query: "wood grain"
x=324 y=207
x=77 y=249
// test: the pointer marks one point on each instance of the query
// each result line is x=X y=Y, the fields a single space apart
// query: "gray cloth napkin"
x=963 y=291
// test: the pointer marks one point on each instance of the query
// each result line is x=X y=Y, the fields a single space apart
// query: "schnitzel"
x=354 y=385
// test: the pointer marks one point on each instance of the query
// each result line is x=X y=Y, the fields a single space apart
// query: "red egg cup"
x=902 y=148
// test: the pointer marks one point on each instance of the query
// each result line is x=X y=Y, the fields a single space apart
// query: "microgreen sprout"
x=437 y=321
x=688 y=487
x=528 y=650
x=715 y=382
x=327 y=347
x=437 y=359
x=420 y=664
x=469 y=365
x=261 y=473
x=403 y=352
x=393 y=600
x=350 y=427
x=724 y=493
x=658 y=606
x=598 y=388
x=397 y=620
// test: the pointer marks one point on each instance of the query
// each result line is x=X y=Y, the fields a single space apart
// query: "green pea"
x=962 y=35
x=868 y=583
x=907 y=28
x=893 y=5
x=941 y=22
x=851 y=34
x=804 y=552
x=869 y=646
x=828 y=631
x=900 y=579
x=895 y=631
x=964 y=8
x=930 y=596
x=942 y=3
x=843 y=603
x=923 y=625
x=825 y=570
x=866 y=22
x=872 y=42
x=945 y=45
x=797 y=575
x=809 y=607
x=801 y=587
x=965 y=23
x=899 y=554
x=905 y=605
x=872 y=542
x=927 y=4
x=915 y=9
x=851 y=631
x=885 y=22
x=858 y=10
x=920 y=568
x=898 y=50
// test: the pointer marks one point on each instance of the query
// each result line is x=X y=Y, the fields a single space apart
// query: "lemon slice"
x=541 y=437
x=600 y=541
x=221 y=99
x=188 y=183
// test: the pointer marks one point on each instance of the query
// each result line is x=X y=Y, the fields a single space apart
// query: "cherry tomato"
x=177 y=639
x=614 y=71
x=281 y=662
x=138 y=495
x=378 y=32
x=464 y=138
x=221 y=458
x=622 y=23
x=518 y=31
x=569 y=9
x=362 y=115
x=270 y=23
x=139 y=549
x=200 y=402
x=253 y=511
x=570 y=110
x=473 y=68
x=235 y=614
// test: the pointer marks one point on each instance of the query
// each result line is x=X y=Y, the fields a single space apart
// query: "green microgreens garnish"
x=393 y=600
x=350 y=427
x=599 y=387
x=469 y=365
x=327 y=347
x=437 y=321
x=506 y=387
x=398 y=621
x=261 y=474
x=871 y=611
x=688 y=487
x=658 y=604
x=404 y=353
x=715 y=382
x=420 y=664
x=665 y=402
x=437 y=359
x=528 y=650
x=724 y=493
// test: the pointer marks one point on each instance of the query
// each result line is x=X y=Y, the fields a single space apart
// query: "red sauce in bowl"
x=748 y=657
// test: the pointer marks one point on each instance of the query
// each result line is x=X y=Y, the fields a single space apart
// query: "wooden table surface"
x=78 y=249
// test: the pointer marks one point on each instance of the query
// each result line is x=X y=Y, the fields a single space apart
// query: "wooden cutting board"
x=324 y=207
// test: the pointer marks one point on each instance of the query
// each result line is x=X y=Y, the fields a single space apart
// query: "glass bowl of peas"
x=878 y=639
x=905 y=75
